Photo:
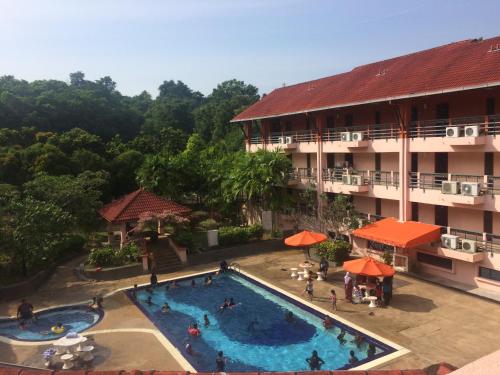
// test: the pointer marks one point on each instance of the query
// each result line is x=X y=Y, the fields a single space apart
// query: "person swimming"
x=208 y=280
x=289 y=317
x=193 y=330
x=58 y=328
x=165 y=308
x=359 y=339
x=327 y=322
x=251 y=325
x=189 y=349
x=341 y=336
x=371 y=350
x=224 y=306
x=205 y=320
x=193 y=283
x=231 y=302
x=149 y=300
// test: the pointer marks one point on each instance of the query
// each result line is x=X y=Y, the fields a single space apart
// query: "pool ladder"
x=235 y=267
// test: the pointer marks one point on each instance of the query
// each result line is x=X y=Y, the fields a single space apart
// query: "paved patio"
x=435 y=323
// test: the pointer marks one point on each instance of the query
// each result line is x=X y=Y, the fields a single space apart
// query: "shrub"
x=334 y=251
x=129 y=253
x=184 y=238
x=208 y=224
x=102 y=257
x=198 y=216
x=236 y=235
x=387 y=257
x=72 y=243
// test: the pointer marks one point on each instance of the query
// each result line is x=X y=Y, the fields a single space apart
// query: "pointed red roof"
x=131 y=206
x=462 y=65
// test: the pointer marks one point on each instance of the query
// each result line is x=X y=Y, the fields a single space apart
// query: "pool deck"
x=435 y=323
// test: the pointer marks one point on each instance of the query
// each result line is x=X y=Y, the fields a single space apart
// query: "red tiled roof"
x=131 y=206
x=452 y=67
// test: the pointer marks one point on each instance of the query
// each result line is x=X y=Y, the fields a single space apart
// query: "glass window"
x=435 y=261
x=380 y=246
x=488 y=273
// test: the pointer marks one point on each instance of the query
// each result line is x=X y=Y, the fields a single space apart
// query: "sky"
x=268 y=43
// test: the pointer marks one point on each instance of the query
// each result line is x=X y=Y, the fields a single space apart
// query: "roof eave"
x=378 y=100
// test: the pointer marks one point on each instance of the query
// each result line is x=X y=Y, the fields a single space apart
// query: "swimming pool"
x=75 y=318
x=269 y=344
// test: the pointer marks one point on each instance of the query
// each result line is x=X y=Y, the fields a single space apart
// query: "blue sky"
x=141 y=43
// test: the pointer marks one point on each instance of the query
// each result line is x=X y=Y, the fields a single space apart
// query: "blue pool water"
x=74 y=318
x=272 y=344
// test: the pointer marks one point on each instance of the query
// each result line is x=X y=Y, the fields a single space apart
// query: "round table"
x=306 y=266
x=66 y=343
x=372 y=300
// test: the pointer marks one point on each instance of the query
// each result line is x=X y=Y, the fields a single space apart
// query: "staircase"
x=165 y=258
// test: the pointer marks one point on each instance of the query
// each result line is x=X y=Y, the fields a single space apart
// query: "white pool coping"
x=183 y=362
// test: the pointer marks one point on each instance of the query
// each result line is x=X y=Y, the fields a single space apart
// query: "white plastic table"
x=320 y=276
x=372 y=300
x=66 y=343
x=294 y=273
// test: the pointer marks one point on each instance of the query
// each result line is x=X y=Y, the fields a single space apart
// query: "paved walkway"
x=435 y=323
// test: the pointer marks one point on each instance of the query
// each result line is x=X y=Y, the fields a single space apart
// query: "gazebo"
x=127 y=210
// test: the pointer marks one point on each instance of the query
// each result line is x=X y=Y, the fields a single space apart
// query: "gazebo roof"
x=131 y=206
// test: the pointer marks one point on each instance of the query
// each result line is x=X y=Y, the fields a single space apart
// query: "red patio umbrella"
x=369 y=267
x=305 y=239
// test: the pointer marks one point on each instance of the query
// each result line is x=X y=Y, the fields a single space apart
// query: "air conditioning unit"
x=357 y=136
x=288 y=140
x=449 y=187
x=281 y=140
x=347 y=179
x=345 y=136
x=356 y=180
x=469 y=246
x=471 y=131
x=449 y=241
x=470 y=188
x=452 y=132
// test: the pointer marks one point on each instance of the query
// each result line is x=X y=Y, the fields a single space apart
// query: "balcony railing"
x=488 y=125
x=384 y=178
x=303 y=173
x=370 y=132
x=489 y=184
x=486 y=242
x=297 y=136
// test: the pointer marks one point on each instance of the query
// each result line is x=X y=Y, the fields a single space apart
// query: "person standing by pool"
x=220 y=361
x=315 y=361
x=323 y=267
x=134 y=292
x=348 y=286
x=223 y=267
x=387 y=290
x=153 y=279
x=25 y=310
x=334 y=299
x=309 y=289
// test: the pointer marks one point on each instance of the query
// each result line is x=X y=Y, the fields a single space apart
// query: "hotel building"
x=415 y=137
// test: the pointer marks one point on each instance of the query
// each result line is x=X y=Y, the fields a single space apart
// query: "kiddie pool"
x=76 y=318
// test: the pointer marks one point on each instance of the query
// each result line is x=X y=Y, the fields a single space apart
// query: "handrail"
x=370 y=177
x=420 y=180
x=370 y=132
x=303 y=173
x=488 y=125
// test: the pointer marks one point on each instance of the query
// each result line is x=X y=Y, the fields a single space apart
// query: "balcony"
x=484 y=243
x=298 y=141
x=379 y=184
x=456 y=134
x=302 y=177
x=448 y=189
x=366 y=138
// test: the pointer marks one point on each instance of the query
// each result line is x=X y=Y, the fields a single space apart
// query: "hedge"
x=109 y=257
x=334 y=251
x=237 y=235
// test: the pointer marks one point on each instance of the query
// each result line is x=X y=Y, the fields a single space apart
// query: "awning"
x=405 y=234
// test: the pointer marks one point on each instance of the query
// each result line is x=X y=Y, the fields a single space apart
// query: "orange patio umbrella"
x=305 y=239
x=369 y=267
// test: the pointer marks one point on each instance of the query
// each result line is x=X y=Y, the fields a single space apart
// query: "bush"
x=334 y=251
x=184 y=238
x=236 y=235
x=208 y=224
x=387 y=258
x=73 y=243
x=198 y=216
x=109 y=257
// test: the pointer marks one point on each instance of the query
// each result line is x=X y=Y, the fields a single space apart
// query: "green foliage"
x=208 y=224
x=387 y=257
x=198 y=216
x=339 y=215
x=334 y=251
x=238 y=235
x=109 y=257
x=184 y=238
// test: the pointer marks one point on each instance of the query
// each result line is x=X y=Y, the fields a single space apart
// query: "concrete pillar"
x=404 y=162
x=320 y=125
x=123 y=234
x=110 y=233
x=161 y=229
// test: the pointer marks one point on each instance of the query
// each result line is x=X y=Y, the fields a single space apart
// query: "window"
x=377 y=117
x=330 y=160
x=378 y=206
x=488 y=163
x=378 y=246
x=490 y=106
x=349 y=119
x=414 y=211
x=488 y=273
x=414 y=113
x=488 y=222
x=414 y=162
x=330 y=122
x=435 y=261
x=441 y=215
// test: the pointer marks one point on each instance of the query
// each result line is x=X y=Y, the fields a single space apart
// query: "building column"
x=161 y=229
x=110 y=233
x=123 y=234
x=404 y=162
x=320 y=125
